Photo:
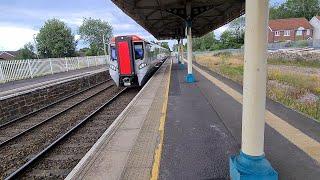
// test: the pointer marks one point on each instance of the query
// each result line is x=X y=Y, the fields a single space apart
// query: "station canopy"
x=166 y=19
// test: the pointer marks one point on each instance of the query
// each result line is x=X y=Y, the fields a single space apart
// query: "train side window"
x=113 y=53
x=138 y=51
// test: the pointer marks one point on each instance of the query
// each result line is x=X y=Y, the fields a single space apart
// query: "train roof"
x=136 y=38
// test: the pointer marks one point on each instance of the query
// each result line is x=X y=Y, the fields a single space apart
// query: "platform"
x=126 y=149
x=203 y=128
x=188 y=131
x=18 y=87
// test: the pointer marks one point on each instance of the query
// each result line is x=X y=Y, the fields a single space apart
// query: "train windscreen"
x=138 y=51
x=113 y=53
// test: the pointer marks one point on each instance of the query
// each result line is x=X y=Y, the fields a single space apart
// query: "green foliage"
x=55 y=40
x=165 y=45
x=295 y=9
x=231 y=39
x=92 y=32
x=27 y=52
x=233 y=72
x=205 y=43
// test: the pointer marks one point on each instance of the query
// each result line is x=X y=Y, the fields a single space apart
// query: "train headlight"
x=112 y=67
x=142 y=65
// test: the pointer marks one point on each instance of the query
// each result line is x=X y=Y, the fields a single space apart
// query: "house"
x=315 y=23
x=291 y=29
x=8 y=55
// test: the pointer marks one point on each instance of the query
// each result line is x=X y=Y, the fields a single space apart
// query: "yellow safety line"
x=157 y=153
x=294 y=135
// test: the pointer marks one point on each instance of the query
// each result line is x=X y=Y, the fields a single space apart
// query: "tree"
x=229 y=39
x=92 y=31
x=165 y=45
x=295 y=9
x=205 y=43
x=237 y=27
x=27 y=52
x=55 y=40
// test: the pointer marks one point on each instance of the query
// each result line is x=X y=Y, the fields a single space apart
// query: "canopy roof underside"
x=166 y=19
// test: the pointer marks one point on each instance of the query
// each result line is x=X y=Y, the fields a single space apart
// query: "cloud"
x=13 y=38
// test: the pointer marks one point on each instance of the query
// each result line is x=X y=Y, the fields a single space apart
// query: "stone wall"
x=304 y=55
x=23 y=104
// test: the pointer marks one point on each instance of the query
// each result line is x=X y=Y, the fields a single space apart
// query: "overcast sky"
x=21 y=19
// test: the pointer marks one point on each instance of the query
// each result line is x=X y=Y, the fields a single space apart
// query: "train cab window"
x=138 y=51
x=113 y=53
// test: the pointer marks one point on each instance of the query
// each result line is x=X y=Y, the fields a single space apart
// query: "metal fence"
x=294 y=44
x=11 y=70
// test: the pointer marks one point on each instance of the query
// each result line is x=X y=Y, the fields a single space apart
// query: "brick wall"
x=293 y=37
x=18 y=106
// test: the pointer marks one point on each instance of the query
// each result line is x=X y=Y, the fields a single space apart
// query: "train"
x=133 y=60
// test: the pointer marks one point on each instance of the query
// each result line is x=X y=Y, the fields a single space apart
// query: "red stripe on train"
x=124 y=58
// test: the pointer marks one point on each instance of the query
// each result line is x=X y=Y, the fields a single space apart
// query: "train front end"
x=125 y=54
x=133 y=60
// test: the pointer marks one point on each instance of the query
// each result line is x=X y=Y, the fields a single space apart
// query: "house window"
x=308 y=32
x=287 y=33
x=277 y=33
x=299 y=31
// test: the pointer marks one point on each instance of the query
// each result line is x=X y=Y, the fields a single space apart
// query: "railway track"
x=33 y=138
x=49 y=105
x=16 y=128
x=59 y=158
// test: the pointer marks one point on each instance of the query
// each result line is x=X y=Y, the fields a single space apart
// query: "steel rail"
x=49 y=105
x=16 y=173
x=51 y=117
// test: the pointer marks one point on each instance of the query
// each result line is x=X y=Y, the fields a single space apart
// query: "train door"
x=113 y=64
x=125 y=56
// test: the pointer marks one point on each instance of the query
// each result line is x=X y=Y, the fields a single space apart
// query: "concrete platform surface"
x=203 y=128
x=126 y=150
x=14 y=88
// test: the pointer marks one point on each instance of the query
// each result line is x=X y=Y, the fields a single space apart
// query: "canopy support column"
x=251 y=162
x=190 y=77
x=181 y=48
x=179 y=51
x=181 y=54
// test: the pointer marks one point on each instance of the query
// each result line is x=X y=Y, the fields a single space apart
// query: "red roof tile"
x=291 y=23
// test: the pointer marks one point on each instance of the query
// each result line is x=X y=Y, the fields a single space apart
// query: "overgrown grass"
x=299 y=63
x=233 y=72
x=290 y=100
x=290 y=88
x=299 y=81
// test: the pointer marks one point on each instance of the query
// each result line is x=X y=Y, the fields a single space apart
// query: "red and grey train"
x=133 y=60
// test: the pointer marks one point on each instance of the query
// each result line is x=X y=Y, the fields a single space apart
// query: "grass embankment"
x=296 y=90
x=298 y=63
